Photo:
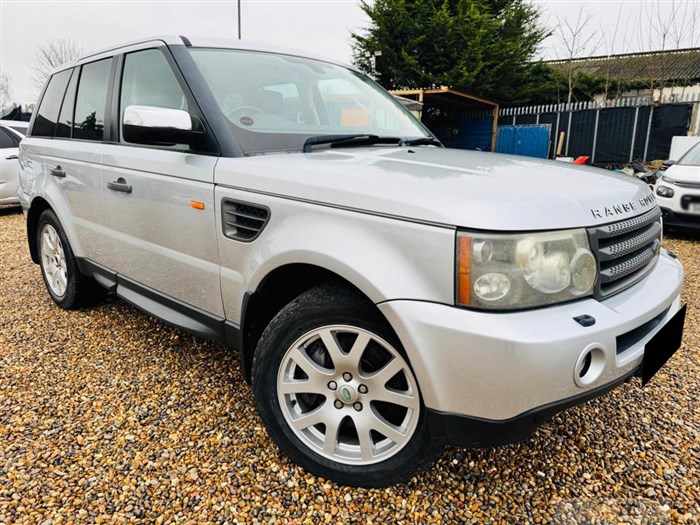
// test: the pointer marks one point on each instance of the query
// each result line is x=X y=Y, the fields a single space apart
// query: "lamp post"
x=239 y=19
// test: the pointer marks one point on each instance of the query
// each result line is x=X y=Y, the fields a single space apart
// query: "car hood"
x=445 y=186
x=683 y=173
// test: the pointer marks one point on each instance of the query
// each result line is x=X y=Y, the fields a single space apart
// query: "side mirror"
x=667 y=164
x=160 y=126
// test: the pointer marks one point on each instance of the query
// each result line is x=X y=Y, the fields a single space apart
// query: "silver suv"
x=387 y=295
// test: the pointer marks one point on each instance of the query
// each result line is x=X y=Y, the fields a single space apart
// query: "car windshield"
x=275 y=102
x=692 y=158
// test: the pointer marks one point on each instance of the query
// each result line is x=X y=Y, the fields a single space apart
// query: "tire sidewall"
x=284 y=331
x=68 y=299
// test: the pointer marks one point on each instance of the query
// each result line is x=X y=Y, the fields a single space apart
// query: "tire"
x=68 y=288
x=365 y=429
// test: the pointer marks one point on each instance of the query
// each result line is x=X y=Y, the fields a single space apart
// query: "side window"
x=148 y=80
x=65 y=120
x=7 y=140
x=90 y=103
x=45 y=121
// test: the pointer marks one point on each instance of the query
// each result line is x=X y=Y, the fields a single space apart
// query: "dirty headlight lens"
x=511 y=271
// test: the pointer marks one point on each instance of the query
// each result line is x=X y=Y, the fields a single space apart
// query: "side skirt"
x=171 y=311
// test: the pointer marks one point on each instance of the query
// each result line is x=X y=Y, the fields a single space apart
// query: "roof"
x=677 y=64
x=219 y=43
x=447 y=97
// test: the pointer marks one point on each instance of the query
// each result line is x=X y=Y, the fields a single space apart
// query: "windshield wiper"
x=363 y=139
x=423 y=141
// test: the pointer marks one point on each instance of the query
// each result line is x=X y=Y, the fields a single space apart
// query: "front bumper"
x=514 y=370
x=685 y=221
x=676 y=210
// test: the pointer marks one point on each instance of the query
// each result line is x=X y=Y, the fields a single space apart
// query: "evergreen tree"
x=482 y=46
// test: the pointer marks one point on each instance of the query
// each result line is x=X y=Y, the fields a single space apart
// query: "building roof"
x=446 y=96
x=680 y=64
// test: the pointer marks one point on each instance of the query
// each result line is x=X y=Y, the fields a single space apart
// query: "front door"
x=159 y=201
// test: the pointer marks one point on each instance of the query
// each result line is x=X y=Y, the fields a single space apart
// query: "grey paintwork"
x=384 y=219
x=451 y=187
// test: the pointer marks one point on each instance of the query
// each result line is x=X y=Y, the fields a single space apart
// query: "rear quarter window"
x=47 y=115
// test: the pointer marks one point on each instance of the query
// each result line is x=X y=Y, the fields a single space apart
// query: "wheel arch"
x=38 y=206
x=277 y=289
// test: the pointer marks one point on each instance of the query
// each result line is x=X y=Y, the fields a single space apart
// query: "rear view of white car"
x=9 y=172
x=678 y=192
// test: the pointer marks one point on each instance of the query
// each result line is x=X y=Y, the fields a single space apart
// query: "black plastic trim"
x=171 y=311
x=211 y=113
x=224 y=226
x=104 y=276
x=465 y=431
x=680 y=220
x=629 y=339
x=208 y=144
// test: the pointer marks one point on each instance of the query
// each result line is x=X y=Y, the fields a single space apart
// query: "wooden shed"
x=459 y=119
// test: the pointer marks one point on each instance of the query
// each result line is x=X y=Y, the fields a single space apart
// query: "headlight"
x=664 y=191
x=511 y=271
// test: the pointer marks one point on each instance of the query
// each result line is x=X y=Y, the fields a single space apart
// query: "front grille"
x=682 y=184
x=626 y=251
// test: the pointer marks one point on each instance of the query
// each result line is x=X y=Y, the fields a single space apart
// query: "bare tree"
x=609 y=50
x=5 y=92
x=576 y=40
x=662 y=20
x=51 y=55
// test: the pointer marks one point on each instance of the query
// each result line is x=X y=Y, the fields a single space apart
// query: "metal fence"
x=612 y=132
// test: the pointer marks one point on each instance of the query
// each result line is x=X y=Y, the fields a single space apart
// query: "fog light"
x=492 y=286
x=583 y=271
x=664 y=191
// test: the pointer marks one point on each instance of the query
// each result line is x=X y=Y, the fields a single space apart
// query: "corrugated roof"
x=681 y=64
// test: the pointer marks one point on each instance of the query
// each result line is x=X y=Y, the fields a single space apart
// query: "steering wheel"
x=237 y=113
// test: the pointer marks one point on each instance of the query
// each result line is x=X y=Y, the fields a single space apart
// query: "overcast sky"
x=320 y=26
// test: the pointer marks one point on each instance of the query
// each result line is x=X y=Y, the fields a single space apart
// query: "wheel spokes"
x=394 y=397
x=339 y=358
x=308 y=419
x=310 y=367
x=386 y=429
x=337 y=408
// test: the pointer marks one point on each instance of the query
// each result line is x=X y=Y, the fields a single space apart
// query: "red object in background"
x=581 y=160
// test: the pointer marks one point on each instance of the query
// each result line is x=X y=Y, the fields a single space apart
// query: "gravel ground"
x=109 y=416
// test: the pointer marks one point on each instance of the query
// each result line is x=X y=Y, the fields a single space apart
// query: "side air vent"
x=243 y=221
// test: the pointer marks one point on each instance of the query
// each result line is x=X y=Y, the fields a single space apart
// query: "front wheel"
x=338 y=395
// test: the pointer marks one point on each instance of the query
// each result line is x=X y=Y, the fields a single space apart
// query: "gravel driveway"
x=109 y=416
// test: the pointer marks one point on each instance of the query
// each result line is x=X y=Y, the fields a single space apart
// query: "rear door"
x=162 y=228
x=73 y=158
x=64 y=147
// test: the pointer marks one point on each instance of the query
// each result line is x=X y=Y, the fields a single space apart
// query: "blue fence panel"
x=466 y=134
x=531 y=140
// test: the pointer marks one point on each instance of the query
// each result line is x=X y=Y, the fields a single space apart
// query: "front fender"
x=385 y=258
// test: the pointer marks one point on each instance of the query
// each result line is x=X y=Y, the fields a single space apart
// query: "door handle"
x=57 y=172
x=119 y=185
x=12 y=157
